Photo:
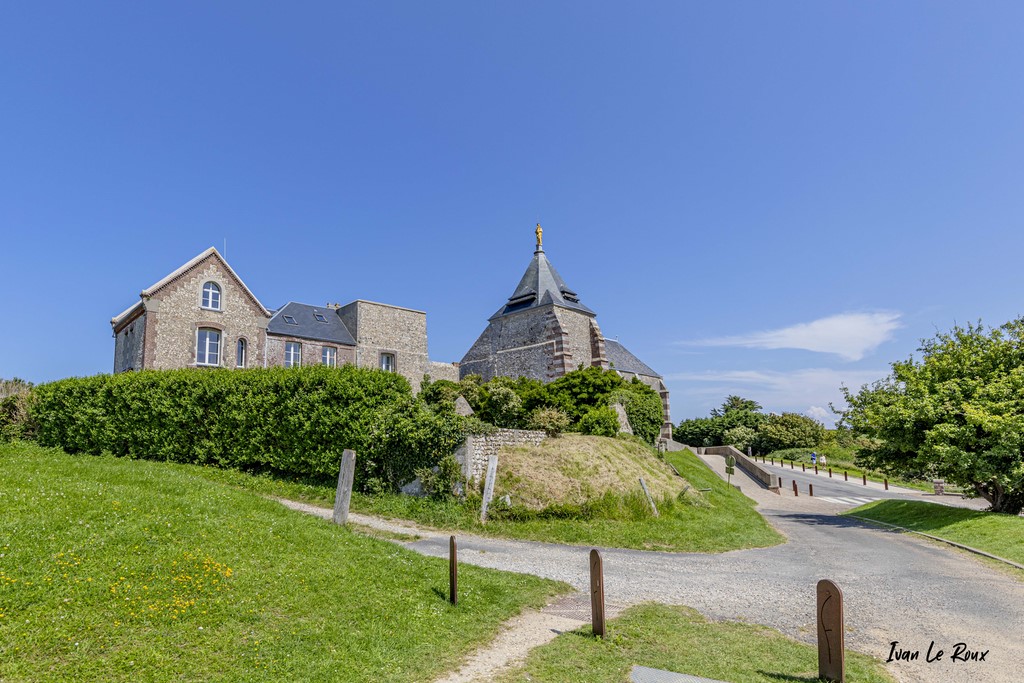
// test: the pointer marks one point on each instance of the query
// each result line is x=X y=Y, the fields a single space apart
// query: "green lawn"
x=679 y=639
x=995 y=533
x=119 y=570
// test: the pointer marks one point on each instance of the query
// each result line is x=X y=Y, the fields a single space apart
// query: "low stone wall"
x=473 y=454
x=768 y=480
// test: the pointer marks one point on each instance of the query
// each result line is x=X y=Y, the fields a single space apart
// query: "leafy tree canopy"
x=957 y=413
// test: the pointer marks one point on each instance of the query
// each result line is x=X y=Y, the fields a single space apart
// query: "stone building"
x=543 y=331
x=203 y=315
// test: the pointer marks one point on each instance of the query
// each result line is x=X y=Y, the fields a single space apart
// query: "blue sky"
x=767 y=199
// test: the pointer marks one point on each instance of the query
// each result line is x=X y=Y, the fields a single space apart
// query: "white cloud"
x=848 y=335
x=776 y=391
x=818 y=413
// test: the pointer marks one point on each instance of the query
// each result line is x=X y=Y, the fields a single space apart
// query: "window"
x=387 y=362
x=208 y=346
x=292 y=354
x=240 y=354
x=290 y=320
x=320 y=317
x=330 y=356
x=211 y=296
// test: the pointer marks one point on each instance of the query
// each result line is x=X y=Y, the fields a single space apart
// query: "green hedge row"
x=294 y=421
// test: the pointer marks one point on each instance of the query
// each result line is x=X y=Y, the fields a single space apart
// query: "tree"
x=736 y=404
x=958 y=413
x=788 y=430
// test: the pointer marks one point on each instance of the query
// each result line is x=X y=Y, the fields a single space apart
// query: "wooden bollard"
x=865 y=477
x=831 y=652
x=846 y=476
x=815 y=469
x=773 y=462
x=597 y=593
x=343 y=496
x=810 y=490
x=829 y=472
x=803 y=467
x=886 y=484
x=796 y=491
x=453 y=571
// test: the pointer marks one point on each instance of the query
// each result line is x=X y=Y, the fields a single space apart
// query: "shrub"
x=552 y=420
x=740 y=437
x=504 y=407
x=444 y=480
x=600 y=421
x=643 y=408
x=788 y=430
x=14 y=423
x=293 y=421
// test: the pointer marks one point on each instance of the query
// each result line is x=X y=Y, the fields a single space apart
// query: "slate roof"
x=624 y=361
x=541 y=285
x=307 y=326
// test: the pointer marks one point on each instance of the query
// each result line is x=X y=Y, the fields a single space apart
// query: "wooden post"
x=865 y=477
x=791 y=465
x=887 y=484
x=831 y=653
x=815 y=469
x=810 y=490
x=343 y=496
x=829 y=472
x=803 y=467
x=846 y=476
x=650 y=500
x=796 y=492
x=492 y=471
x=453 y=571
x=597 y=592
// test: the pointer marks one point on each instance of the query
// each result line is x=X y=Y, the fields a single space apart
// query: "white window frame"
x=241 y=353
x=292 y=354
x=388 y=361
x=329 y=356
x=211 y=299
x=210 y=346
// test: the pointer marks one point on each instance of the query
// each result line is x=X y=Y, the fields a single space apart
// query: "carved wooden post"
x=654 y=508
x=492 y=472
x=597 y=592
x=831 y=653
x=346 y=476
x=453 y=572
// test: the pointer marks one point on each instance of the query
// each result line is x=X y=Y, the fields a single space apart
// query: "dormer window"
x=211 y=296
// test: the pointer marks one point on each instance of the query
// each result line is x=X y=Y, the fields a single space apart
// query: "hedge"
x=294 y=421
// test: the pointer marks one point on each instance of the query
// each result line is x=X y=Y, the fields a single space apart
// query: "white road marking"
x=844 y=500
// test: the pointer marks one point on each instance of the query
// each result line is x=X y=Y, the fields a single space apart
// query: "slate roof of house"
x=541 y=285
x=306 y=325
x=624 y=361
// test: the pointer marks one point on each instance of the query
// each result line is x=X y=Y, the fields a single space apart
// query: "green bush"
x=788 y=430
x=504 y=407
x=600 y=421
x=643 y=408
x=552 y=420
x=293 y=421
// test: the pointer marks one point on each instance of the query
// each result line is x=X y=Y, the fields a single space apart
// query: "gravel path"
x=897 y=587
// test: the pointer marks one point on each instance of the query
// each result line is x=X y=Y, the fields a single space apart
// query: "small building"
x=544 y=331
x=203 y=315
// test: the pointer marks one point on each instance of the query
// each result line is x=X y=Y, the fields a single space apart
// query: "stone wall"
x=382 y=328
x=438 y=370
x=475 y=451
x=175 y=314
x=129 y=342
x=311 y=352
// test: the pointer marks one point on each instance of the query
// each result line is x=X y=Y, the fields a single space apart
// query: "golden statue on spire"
x=540 y=235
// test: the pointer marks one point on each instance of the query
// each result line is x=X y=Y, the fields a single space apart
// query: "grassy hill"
x=122 y=570
x=575 y=468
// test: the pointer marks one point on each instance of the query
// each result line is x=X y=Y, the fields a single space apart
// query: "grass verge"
x=117 y=570
x=995 y=533
x=718 y=520
x=679 y=639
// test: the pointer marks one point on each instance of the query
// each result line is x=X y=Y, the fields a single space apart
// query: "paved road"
x=897 y=587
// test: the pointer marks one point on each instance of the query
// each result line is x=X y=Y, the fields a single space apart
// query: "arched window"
x=211 y=296
x=240 y=352
x=207 y=346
